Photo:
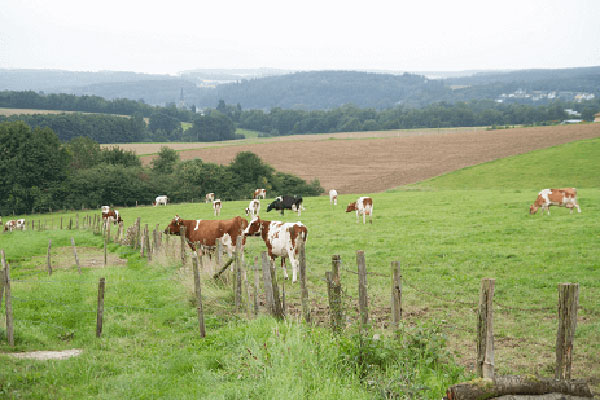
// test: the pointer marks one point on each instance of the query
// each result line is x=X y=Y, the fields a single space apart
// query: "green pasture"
x=448 y=233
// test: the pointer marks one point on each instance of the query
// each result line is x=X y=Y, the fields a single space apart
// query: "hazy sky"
x=421 y=35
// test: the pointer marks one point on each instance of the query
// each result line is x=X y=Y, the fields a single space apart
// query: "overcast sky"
x=421 y=35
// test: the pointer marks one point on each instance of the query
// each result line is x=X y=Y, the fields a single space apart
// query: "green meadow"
x=448 y=233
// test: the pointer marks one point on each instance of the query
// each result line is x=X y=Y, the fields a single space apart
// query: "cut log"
x=482 y=389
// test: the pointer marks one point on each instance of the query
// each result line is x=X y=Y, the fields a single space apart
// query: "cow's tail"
x=304 y=233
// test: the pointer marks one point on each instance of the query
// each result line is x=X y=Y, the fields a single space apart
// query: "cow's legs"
x=357 y=216
x=285 y=274
x=294 y=263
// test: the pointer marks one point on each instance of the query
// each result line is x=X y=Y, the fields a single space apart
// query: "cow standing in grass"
x=281 y=240
x=217 y=207
x=253 y=208
x=333 y=197
x=364 y=206
x=555 y=197
x=258 y=193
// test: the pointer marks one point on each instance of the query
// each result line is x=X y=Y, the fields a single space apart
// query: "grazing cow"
x=217 y=206
x=281 y=240
x=253 y=208
x=281 y=203
x=162 y=199
x=555 y=197
x=207 y=232
x=260 y=193
x=364 y=206
x=112 y=216
x=210 y=197
x=333 y=197
x=15 y=224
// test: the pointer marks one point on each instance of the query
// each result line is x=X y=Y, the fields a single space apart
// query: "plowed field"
x=360 y=163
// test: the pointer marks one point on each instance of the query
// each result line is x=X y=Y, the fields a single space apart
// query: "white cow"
x=210 y=197
x=333 y=197
x=162 y=199
x=21 y=224
x=364 y=206
x=253 y=208
x=217 y=206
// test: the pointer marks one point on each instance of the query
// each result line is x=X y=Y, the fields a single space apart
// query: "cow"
x=15 y=224
x=333 y=197
x=287 y=203
x=161 y=199
x=217 y=206
x=260 y=193
x=364 y=206
x=253 y=208
x=281 y=240
x=555 y=197
x=207 y=232
x=209 y=198
x=112 y=216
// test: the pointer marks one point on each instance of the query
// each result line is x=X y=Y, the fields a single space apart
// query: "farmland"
x=447 y=232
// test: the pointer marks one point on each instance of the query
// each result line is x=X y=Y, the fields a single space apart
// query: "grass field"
x=448 y=233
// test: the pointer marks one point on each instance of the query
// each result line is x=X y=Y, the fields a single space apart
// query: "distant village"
x=521 y=94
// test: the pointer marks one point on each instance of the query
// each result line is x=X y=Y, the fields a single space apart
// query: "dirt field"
x=360 y=163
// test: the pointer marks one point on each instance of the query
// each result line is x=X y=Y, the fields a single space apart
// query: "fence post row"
x=396 y=297
x=198 y=292
x=100 y=310
x=7 y=301
x=334 y=292
x=568 y=301
x=485 y=332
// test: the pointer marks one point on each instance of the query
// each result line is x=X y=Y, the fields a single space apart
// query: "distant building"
x=572 y=121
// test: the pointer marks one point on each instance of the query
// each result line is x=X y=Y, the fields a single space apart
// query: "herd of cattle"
x=281 y=238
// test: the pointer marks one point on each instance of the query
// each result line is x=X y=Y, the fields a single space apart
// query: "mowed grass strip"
x=447 y=240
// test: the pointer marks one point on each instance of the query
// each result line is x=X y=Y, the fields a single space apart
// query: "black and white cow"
x=281 y=203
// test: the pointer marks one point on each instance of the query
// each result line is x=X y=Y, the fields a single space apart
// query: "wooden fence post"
x=247 y=290
x=49 y=257
x=1 y=286
x=485 y=331
x=7 y=301
x=76 y=221
x=182 y=244
x=268 y=286
x=303 y=289
x=568 y=301
x=396 y=297
x=277 y=310
x=334 y=293
x=75 y=254
x=100 y=309
x=256 y=284
x=108 y=230
x=154 y=241
x=105 y=256
x=61 y=224
x=363 y=299
x=198 y=291
x=119 y=233
x=137 y=232
x=237 y=280
x=147 y=242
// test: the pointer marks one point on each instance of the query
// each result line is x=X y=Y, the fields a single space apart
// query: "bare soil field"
x=359 y=163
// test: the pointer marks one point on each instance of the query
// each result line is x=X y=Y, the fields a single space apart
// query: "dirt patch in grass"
x=46 y=355
x=89 y=257
x=375 y=165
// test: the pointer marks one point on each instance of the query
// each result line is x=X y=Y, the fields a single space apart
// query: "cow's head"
x=274 y=205
x=533 y=209
x=254 y=228
x=174 y=227
x=351 y=207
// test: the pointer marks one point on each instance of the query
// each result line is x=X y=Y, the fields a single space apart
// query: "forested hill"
x=317 y=90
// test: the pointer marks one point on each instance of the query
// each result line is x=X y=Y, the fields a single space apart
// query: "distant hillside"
x=313 y=90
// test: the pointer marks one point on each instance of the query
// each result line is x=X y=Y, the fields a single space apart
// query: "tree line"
x=39 y=173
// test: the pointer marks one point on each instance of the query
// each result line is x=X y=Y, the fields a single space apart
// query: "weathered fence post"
x=396 y=297
x=268 y=286
x=1 y=286
x=182 y=244
x=61 y=224
x=108 y=230
x=256 y=284
x=568 y=301
x=76 y=221
x=303 y=289
x=147 y=242
x=219 y=254
x=119 y=232
x=247 y=290
x=7 y=301
x=49 y=257
x=277 y=310
x=100 y=309
x=154 y=241
x=485 y=331
x=334 y=293
x=75 y=254
x=137 y=232
x=237 y=277
x=363 y=299
x=105 y=255
x=198 y=291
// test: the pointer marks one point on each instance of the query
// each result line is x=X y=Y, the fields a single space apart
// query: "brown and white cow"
x=364 y=206
x=217 y=206
x=555 y=197
x=281 y=240
x=253 y=208
x=207 y=231
x=209 y=198
x=111 y=216
x=333 y=197
x=13 y=224
x=258 y=193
